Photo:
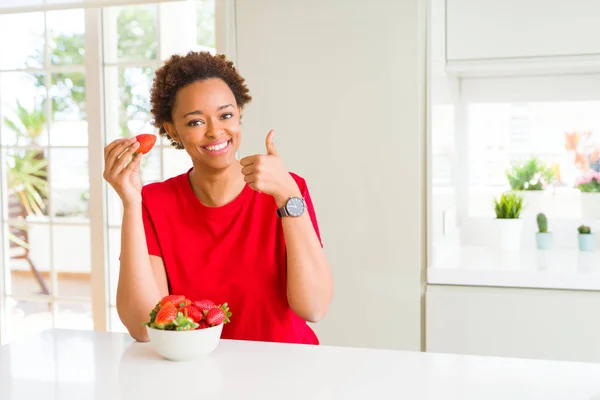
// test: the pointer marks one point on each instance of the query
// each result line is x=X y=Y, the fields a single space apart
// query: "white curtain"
x=17 y=6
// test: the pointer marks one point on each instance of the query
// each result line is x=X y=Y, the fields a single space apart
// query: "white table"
x=62 y=364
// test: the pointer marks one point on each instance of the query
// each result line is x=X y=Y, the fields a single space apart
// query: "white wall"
x=340 y=81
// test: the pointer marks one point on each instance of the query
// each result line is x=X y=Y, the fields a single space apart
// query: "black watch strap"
x=282 y=212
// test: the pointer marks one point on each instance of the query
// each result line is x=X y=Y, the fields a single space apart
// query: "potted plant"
x=543 y=238
x=529 y=179
x=586 y=238
x=589 y=186
x=508 y=210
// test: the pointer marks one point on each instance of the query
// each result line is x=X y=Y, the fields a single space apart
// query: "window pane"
x=74 y=316
x=127 y=94
x=68 y=127
x=70 y=182
x=114 y=252
x=205 y=21
x=72 y=260
x=26 y=175
x=23 y=109
x=115 y=322
x=130 y=33
x=542 y=149
x=29 y=259
x=150 y=166
x=26 y=45
x=26 y=318
x=66 y=31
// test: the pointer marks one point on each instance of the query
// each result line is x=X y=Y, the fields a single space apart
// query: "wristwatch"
x=294 y=207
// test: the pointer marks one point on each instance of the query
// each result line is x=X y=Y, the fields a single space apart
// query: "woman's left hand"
x=266 y=173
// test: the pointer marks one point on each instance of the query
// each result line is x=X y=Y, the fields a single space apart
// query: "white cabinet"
x=525 y=323
x=492 y=29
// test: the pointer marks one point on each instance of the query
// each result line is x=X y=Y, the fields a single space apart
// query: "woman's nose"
x=214 y=129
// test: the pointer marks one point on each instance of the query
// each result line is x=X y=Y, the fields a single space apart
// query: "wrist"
x=132 y=206
x=282 y=197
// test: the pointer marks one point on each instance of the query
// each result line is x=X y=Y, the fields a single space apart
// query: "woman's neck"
x=217 y=188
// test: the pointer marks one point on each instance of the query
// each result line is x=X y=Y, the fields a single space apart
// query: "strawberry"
x=215 y=316
x=184 y=303
x=205 y=305
x=184 y=323
x=153 y=313
x=166 y=315
x=192 y=312
x=147 y=141
x=176 y=299
x=203 y=325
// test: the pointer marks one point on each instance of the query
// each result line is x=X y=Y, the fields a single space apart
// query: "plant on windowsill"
x=543 y=238
x=532 y=174
x=508 y=211
x=586 y=239
x=589 y=186
x=529 y=179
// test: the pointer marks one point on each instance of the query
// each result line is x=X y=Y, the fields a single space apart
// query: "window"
x=537 y=137
x=45 y=162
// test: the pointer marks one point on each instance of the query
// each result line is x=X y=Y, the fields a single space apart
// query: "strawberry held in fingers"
x=146 y=141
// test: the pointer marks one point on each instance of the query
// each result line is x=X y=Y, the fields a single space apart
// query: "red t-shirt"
x=235 y=254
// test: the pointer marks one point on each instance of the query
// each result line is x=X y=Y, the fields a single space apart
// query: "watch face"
x=295 y=207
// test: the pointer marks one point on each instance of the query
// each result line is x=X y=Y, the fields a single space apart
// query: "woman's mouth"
x=217 y=148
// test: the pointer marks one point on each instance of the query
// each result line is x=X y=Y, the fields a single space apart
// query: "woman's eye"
x=195 y=122
x=226 y=116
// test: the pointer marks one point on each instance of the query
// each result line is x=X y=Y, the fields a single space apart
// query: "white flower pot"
x=590 y=205
x=509 y=230
x=535 y=201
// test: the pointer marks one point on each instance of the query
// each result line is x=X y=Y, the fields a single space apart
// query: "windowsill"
x=558 y=268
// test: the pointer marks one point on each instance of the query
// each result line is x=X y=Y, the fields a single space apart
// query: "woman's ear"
x=171 y=131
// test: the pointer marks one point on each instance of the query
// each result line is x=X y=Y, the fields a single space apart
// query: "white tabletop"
x=61 y=364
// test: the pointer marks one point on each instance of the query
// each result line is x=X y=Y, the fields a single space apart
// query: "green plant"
x=542 y=222
x=29 y=124
x=530 y=175
x=584 y=230
x=27 y=179
x=509 y=206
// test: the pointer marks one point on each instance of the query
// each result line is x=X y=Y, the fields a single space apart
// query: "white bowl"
x=185 y=345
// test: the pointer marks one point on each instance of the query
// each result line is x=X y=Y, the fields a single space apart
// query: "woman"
x=242 y=232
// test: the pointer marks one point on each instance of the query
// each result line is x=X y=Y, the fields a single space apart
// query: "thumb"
x=271 y=150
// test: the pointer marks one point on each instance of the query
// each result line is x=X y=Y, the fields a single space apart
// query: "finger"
x=250 y=178
x=116 y=152
x=112 y=145
x=134 y=165
x=271 y=150
x=249 y=160
x=124 y=158
x=249 y=169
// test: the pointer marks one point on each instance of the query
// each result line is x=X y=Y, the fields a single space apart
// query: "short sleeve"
x=310 y=208
x=151 y=236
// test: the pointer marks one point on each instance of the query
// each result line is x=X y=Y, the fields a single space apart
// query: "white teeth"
x=217 y=147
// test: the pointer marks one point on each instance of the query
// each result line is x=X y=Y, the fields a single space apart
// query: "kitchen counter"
x=65 y=364
x=557 y=268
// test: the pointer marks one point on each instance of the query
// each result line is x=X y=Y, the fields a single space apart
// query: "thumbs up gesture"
x=266 y=173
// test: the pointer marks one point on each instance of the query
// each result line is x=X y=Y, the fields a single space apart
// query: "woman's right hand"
x=124 y=177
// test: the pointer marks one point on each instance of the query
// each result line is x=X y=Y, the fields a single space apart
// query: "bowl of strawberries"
x=181 y=329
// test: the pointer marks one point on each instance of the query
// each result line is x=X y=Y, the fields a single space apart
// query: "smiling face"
x=206 y=120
